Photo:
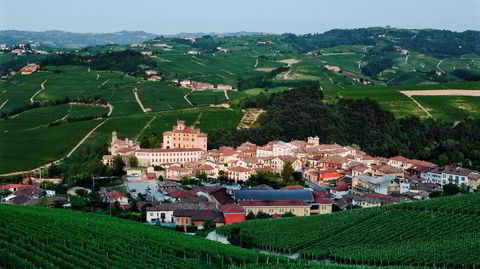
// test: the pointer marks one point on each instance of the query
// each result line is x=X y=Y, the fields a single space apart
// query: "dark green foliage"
x=376 y=65
x=127 y=61
x=451 y=189
x=118 y=165
x=467 y=75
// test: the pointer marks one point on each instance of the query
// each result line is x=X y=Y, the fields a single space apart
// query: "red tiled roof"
x=116 y=195
x=239 y=169
x=14 y=186
x=341 y=186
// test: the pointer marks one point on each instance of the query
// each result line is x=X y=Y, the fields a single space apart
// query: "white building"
x=239 y=173
x=158 y=156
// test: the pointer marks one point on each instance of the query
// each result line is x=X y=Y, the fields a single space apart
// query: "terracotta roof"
x=341 y=186
x=14 y=186
x=387 y=169
x=399 y=159
x=239 y=169
x=116 y=195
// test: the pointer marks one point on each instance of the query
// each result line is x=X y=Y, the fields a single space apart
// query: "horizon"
x=268 y=16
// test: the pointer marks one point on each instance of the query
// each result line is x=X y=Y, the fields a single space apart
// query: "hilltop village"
x=182 y=184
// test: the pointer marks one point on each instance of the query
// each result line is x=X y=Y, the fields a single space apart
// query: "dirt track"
x=448 y=92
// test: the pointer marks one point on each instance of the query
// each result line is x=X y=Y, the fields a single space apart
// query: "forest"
x=300 y=113
x=127 y=61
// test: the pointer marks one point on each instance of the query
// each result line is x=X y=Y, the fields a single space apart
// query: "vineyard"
x=36 y=237
x=442 y=232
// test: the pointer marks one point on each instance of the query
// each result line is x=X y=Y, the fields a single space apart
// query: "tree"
x=288 y=215
x=201 y=175
x=287 y=172
x=209 y=224
x=118 y=166
x=133 y=161
x=263 y=215
x=251 y=216
x=297 y=176
x=451 y=189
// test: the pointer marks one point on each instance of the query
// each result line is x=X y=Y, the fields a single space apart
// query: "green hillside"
x=35 y=237
x=438 y=232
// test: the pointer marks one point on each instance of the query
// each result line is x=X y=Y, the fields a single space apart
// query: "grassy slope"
x=30 y=148
x=70 y=239
x=443 y=231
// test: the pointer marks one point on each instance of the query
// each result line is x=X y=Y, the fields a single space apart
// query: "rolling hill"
x=441 y=232
x=251 y=62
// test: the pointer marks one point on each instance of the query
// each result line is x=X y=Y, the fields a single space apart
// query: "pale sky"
x=275 y=16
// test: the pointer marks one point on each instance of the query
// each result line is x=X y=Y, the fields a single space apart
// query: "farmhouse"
x=154 y=78
x=29 y=69
x=332 y=68
x=187 y=217
x=183 y=137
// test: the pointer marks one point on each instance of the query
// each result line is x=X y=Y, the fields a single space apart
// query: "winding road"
x=4 y=103
x=145 y=110
x=186 y=98
x=42 y=88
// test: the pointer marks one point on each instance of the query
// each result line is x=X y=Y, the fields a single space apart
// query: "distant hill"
x=73 y=40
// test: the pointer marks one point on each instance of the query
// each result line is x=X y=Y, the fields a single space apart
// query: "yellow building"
x=298 y=208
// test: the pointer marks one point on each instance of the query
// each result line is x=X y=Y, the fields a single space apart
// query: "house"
x=382 y=170
x=167 y=185
x=13 y=187
x=184 y=137
x=367 y=184
x=332 y=68
x=163 y=213
x=29 y=69
x=224 y=87
x=341 y=189
x=115 y=196
x=321 y=205
x=239 y=173
x=233 y=213
x=23 y=196
x=177 y=172
x=447 y=175
x=188 y=217
x=319 y=176
x=146 y=53
x=279 y=161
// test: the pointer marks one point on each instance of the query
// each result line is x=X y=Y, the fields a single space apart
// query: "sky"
x=272 y=16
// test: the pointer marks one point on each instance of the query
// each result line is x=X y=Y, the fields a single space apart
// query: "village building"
x=183 y=137
x=188 y=217
x=29 y=69
x=115 y=196
x=239 y=173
